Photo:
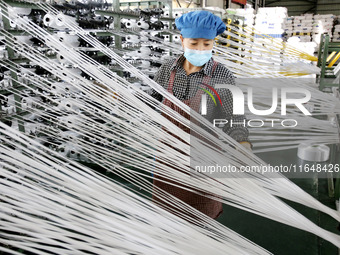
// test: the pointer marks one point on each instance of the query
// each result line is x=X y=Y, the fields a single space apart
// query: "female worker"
x=183 y=77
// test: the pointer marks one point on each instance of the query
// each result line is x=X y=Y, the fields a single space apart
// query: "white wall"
x=214 y=3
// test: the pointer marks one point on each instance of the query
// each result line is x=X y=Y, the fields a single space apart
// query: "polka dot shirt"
x=186 y=86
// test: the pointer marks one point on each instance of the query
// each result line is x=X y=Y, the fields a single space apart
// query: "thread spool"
x=68 y=104
x=144 y=39
x=31 y=128
x=134 y=86
x=158 y=25
x=72 y=151
x=124 y=20
x=59 y=88
x=69 y=150
x=166 y=38
x=4 y=84
x=132 y=39
x=31 y=117
x=13 y=23
x=61 y=20
x=153 y=19
x=71 y=40
x=177 y=14
x=176 y=38
x=143 y=25
x=69 y=135
x=69 y=88
x=20 y=11
x=145 y=64
x=75 y=71
x=15 y=124
x=165 y=56
x=166 y=24
x=312 y=156
x=154 y=33
x=238 y=22
x=70 y=120
x=29 y=102
x=133 y=55
x=143 y=52
x=10 y=100
x=9 y=109
x=145 y=88
x=130 y=24
x=24 y=104
x=3 y=52
x=174 y=25
x=49 y=20
x=61 y=59
x=166 y=14
x=12 y=17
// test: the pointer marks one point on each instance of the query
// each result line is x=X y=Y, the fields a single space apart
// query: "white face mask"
x=197 y=57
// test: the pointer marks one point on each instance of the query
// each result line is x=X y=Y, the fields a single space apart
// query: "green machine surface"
x=328 y=61
x=281 y=239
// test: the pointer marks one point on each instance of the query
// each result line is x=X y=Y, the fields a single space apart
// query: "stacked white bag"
x=271 y=21
x=322 y=24
x=248 y=15
x=307 y=47
x=336 y=32
x=289 y=26
x=302 y=27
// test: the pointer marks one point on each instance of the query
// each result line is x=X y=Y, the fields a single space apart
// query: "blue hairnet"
x=200 y=24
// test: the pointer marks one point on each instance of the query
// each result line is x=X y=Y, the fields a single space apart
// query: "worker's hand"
x=246 y=145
